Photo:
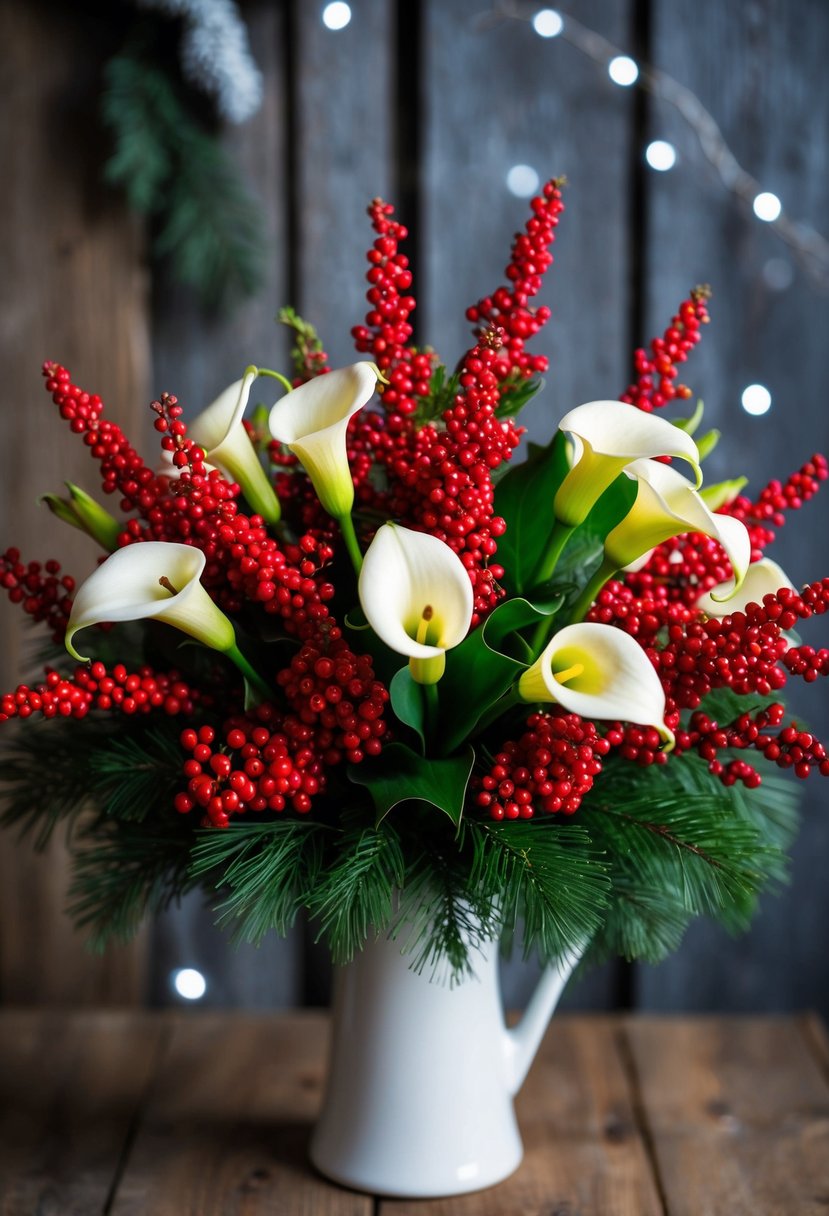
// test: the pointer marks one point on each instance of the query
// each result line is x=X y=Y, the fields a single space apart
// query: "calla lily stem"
x=430 y=710
x=253 y=678
x=351 y=543
x=283 y=380
x=559 y=538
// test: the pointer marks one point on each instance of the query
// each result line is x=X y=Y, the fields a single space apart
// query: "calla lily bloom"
x=417 y=597
x=608 y=436
x=312 y=421
x=764 y=577
x=151 y=580
x=598 y=671
x=667 y=505
x=220 y=431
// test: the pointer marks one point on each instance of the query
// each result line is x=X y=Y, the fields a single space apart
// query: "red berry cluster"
x=333 y=694
x=551 y=767
x=94 y=687
x=640 y=745
x=683 y=568
x=656 y=370
x=42 y=592
x=386 y=333
x=184 y=452
x=257 y=766
x=774 y=499
x=122 y=469
x=789 y=748
x=508 y=309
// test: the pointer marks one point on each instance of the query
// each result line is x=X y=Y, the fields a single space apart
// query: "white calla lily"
x=417 y=597
x=598 y=671
x=219 y=429
x=608 y=436
x=312 y=421
x=764 y=577
x=667 y=505
x=153 y=579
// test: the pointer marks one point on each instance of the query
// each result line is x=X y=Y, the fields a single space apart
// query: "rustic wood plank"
x=761 y=73
x=583 y=1151
x=738 y=1114
x=70 y=1087
x=344 y=158
x=74 y=290
x=227 y=1125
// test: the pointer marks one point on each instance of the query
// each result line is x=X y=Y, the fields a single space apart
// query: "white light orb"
x=336 y=16
x=623 y=71
x=756 y=399
x=523 y=181
x=660 y=155
x=547 y=23
x=767 y=206
x=189 y=983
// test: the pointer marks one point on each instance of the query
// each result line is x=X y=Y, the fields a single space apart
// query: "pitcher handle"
x=523 y=1040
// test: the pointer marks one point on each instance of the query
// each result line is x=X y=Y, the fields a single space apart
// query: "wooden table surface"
x=208 y=1114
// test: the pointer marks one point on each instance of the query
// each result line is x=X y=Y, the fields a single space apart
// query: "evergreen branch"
x=547 y=874
x=267 y=867
x=354 y=894
x=123 y=869
x=131 y=775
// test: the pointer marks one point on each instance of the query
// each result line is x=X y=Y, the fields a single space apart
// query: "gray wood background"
x=428 y=103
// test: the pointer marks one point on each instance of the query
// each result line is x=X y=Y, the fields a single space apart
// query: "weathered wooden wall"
x=429 y=104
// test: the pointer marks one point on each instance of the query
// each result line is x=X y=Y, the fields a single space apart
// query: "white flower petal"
x=667 y=505
x=607 y=437
x=312 y=421
x=223 y=416
x=126 y=587
x=405 y=573
x=605 y=674
x=762 y=578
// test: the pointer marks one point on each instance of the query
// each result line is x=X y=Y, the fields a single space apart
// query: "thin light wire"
x=810 y=247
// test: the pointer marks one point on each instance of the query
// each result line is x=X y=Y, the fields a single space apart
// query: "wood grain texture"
x=70 y=1087
x=738 y=1114
x=227 y=1124
x=583 y=1150
x=344 y=154
x=74 y=289
x=759 y=68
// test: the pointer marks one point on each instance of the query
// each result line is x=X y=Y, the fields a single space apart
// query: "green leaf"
x=407 y=702
x=400 y=775
x=515 y=396
x=484 y=666
x=524 y=497
x=689 y=425
x=612 y=507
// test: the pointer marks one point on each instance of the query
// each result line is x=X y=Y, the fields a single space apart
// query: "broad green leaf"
x=365 y=641
x=690 y=425
x=484 y=666
x=612 y=507
x=407 y=702
x=524 y=497
x=400 y=775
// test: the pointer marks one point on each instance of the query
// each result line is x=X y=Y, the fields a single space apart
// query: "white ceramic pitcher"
x=422 y=1075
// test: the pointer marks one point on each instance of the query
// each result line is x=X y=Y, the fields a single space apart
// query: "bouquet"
x=346 y=657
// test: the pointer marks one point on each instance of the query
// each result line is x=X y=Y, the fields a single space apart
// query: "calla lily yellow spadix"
x=608 y=436
x=762 y=578
x=312 y=421
x=417 y=597
x=220 y=431
x=667 y=505
x=598 y=671
x=156 y=580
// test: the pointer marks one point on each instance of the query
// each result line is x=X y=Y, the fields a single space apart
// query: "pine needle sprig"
x=267 y=869
x=131 y=775
x=43 y=782
x=354 y=894
x=548 y=875
x=124 y=869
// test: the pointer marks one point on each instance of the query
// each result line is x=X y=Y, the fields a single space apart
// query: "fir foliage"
x=173 y=170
